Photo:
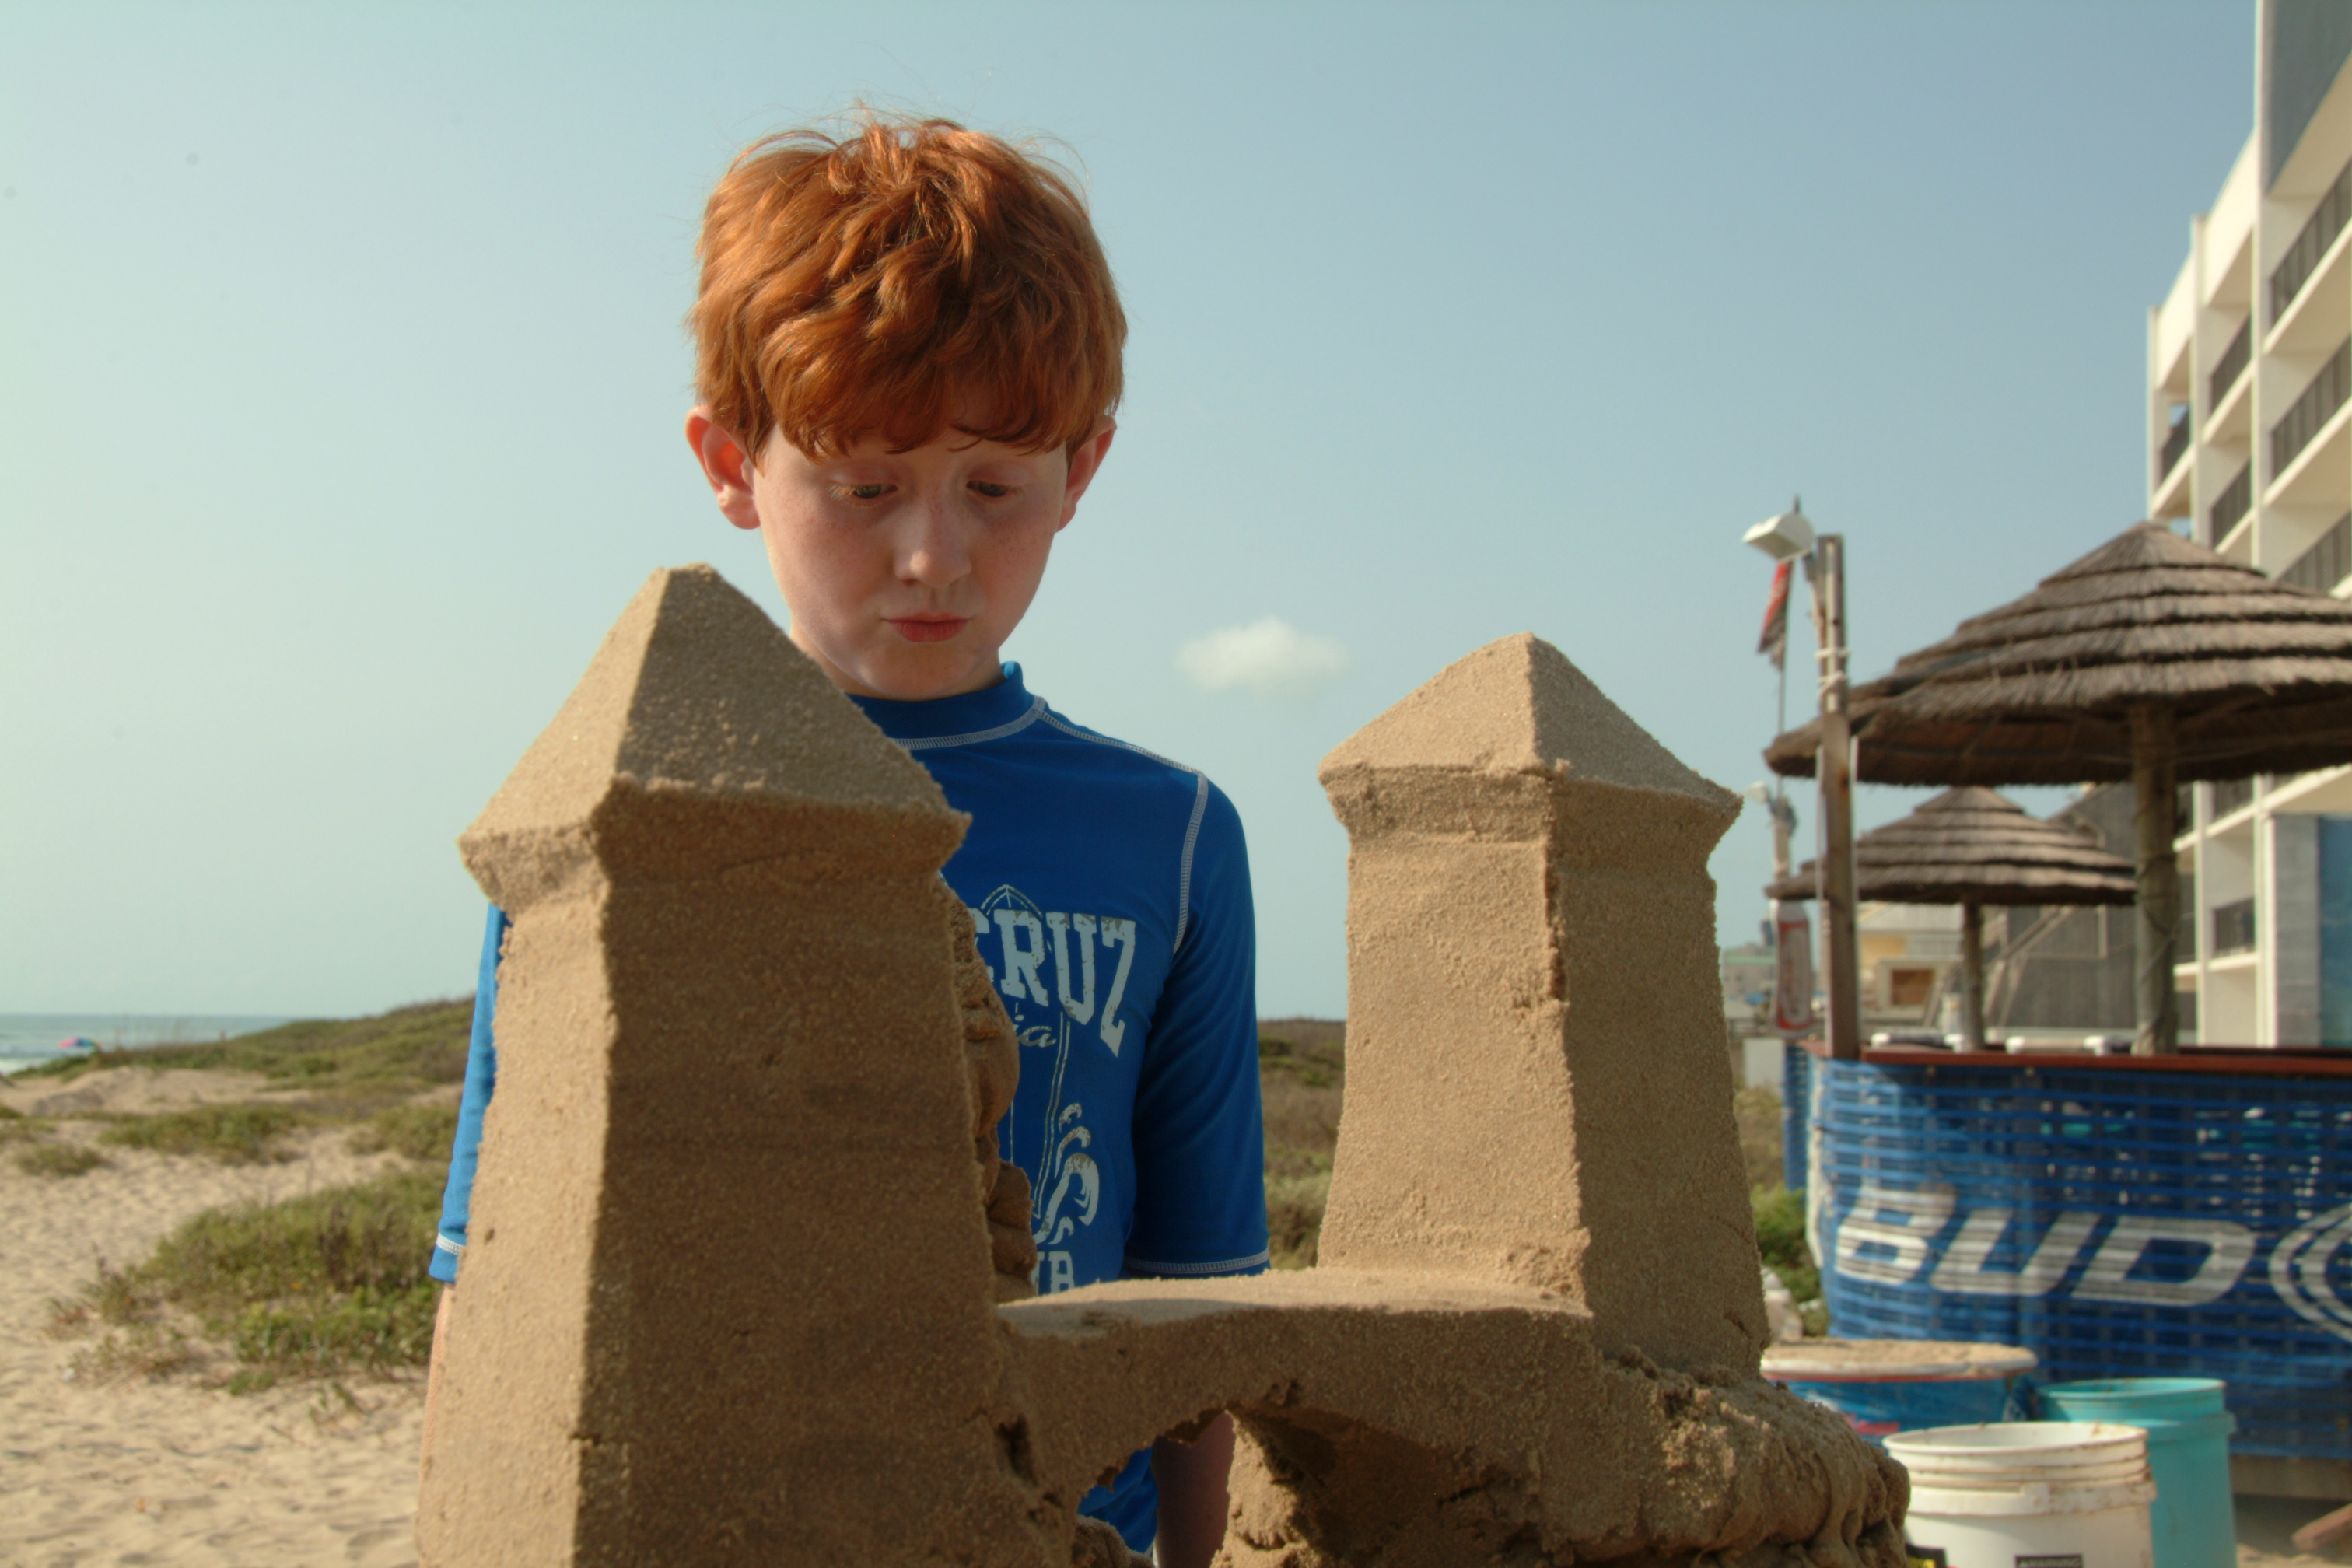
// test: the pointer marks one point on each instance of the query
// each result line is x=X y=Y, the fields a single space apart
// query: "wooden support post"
x=1972 y=992
x=1842 y=979
x=2154 y=744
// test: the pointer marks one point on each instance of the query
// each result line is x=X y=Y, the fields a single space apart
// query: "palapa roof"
x=1973 y=846
x=2259 y=675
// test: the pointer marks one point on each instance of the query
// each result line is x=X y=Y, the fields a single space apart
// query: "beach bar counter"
x=2119 y=1217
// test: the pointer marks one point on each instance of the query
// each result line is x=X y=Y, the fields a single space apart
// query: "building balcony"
x=2327 y=563
x=2230 y=420
x=2176 y=445
x=2230 y=368
x=2320 y=315
x=2292 y=277
x=2237 y=497
x=2310 y=416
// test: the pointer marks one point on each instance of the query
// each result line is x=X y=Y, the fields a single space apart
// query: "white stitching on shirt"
x=1036 y=709
x=1184 y=874
x=1196 y=1270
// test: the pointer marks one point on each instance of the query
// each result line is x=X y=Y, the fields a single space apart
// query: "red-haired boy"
x=909 y=354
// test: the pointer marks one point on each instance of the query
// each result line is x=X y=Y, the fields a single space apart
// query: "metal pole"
x=2155 y=747
x=1834 y=767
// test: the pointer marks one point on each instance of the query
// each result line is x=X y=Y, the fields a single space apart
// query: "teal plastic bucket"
x=2193 y=1522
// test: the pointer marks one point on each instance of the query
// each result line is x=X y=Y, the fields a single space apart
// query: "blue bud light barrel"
x=1796 y=1095
x=2118 y=1218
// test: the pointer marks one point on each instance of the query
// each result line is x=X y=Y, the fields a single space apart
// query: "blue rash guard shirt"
x=1110 y=891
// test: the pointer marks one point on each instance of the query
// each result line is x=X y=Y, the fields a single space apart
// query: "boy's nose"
x=934 y=551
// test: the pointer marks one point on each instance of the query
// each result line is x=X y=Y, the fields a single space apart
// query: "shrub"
x=1780 y=1238
x=232 y=1134
x=1293 y=1215
x=312 y=1287
x=16 y=1129
x=414 y=1131
x=58 y=1159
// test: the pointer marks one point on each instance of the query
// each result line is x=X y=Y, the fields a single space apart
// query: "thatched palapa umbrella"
x=2150 y=658
x=1972 y=846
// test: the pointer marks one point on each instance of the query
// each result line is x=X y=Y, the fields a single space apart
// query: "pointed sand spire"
x=1517 y=705
x=695 y=696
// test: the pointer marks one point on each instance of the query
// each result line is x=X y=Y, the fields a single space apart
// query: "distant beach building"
x=2250 y=441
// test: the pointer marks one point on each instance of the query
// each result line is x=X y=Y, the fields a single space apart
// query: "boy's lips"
x=928 y=628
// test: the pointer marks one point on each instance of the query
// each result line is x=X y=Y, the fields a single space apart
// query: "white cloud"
x=1271 y=658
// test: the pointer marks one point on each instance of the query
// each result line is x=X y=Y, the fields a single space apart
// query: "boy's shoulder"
x=1009 y=722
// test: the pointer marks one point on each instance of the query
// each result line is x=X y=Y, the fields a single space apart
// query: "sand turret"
x=1537 y=1091
x=728 y=1248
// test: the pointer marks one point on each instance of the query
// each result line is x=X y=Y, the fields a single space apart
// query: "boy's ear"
x=725 y=464
x=1084 y=463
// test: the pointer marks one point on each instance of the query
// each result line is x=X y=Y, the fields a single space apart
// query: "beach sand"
x=171 y=1471
x=175 y=1472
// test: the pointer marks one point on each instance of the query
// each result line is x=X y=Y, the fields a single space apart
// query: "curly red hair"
x=881 y=281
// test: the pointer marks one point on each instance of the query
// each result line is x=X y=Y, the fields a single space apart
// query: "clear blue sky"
x=342 y=374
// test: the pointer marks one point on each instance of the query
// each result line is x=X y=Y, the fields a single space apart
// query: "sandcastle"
x=746 y=1276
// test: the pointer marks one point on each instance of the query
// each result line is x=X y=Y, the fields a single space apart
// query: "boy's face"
x=904 y=572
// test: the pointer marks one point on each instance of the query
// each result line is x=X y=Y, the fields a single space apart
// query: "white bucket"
x=2028 y=1494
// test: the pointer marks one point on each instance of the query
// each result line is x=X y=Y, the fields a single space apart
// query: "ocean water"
x=27 y=1039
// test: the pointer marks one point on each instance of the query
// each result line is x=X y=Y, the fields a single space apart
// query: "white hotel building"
x=2250 y=441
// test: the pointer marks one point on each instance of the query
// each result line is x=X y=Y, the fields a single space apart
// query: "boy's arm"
x=457 y=1193
x=1198 y=1128
x=482 y=1081
x=1193 y=1502
x=1200 y=1149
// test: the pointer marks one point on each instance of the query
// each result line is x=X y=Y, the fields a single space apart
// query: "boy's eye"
x=993 y=492
x=862 y=492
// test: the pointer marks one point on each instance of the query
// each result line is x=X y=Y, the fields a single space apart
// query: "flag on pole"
x=1774 y=642
x=1792 y=969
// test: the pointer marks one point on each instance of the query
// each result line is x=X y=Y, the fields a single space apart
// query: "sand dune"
x=172 y=1472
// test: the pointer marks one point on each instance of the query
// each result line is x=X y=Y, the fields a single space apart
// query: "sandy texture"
x=738 y=1286
x=728 y=1291
x=172 y=1472
x=128 y=1090
x=1536 y=1086
x=1414 y=1417
x=1533 y=1336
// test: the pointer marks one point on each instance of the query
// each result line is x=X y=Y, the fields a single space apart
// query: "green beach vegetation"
x=232 y=1134
x=1302 y=1068
x=332 y=1284
x=326 y=1285
x=392 y=1052
x=1779 y=1213
x=329 y=1285
x=47 y=1159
